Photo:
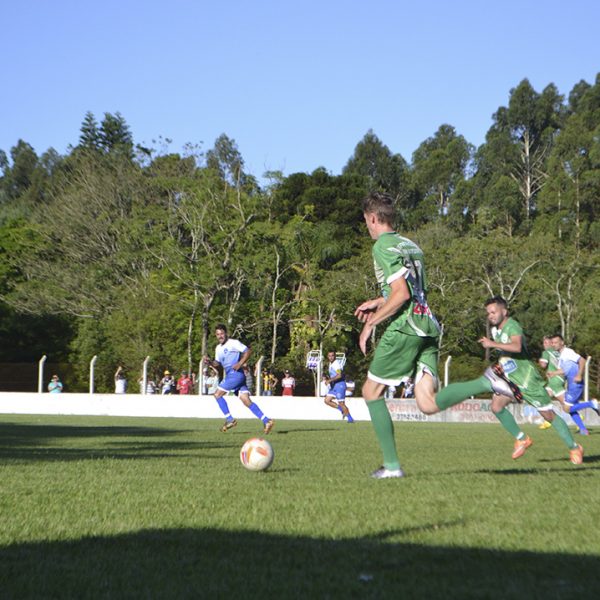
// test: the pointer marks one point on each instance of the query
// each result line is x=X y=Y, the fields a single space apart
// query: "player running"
x=572 y=366
x=337 y=387
x=555 y=385
x=409 y=345
x=232 y=355
x=513 y=378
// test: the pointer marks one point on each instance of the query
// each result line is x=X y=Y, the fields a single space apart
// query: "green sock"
x=508 y=422
x=457 y=392
x=564 y=432
x=384 y=430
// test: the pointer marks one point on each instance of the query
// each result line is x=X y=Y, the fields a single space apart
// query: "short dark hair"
x=557 y=335
x=497 y=300
x=382 y=206
x=221 y=326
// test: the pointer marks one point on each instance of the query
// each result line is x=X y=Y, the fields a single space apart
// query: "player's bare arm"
x=363 y=311
x=515 y=344
x=399 y=294
x=210 y=362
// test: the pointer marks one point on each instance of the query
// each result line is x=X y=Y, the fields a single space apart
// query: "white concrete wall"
x=136 y=405
x=276 y=407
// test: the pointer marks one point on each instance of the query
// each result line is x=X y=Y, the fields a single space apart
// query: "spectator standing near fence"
x=120 y=381
x=167 y=383
x=150 y=386
x=288 y=384
x=185 y=383
x=211 y=380
x=269 y=383
x=55 y=386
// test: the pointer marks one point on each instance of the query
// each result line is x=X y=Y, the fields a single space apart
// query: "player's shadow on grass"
x=53 y=454
x=302 y=430
x=209 y=563
x=32 y=434
x=32 y=443
x=543 y=471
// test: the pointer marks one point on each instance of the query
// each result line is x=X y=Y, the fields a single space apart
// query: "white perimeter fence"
x=276 y=407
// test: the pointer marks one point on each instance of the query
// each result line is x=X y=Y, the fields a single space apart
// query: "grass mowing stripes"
x=103 y=507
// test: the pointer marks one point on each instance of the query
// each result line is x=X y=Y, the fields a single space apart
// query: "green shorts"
x=399 y=355
x=555 y=386
x=535 y=394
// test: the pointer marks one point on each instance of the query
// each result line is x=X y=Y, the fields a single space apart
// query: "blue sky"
x=296 y=84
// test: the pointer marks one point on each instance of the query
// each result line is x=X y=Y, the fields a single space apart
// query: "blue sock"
x=340 y=409
x=581 y=405
x=224 y=408
x=257 y=412
x=578 y=420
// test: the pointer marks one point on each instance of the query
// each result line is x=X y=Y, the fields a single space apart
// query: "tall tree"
x=19 y=175
x=115 y=135
x=574 y=168
x=439 y=165
x=383 y=170
x=520 y=140
x=90 y=137
x=225 y=158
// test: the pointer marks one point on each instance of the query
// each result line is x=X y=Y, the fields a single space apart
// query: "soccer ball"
x=257 y=454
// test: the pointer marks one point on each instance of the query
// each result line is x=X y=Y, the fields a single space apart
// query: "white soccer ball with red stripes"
x=257 y=454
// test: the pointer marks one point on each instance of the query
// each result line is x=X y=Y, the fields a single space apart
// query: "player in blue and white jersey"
x=337 y=387
x=571 y=366
x=232 y=355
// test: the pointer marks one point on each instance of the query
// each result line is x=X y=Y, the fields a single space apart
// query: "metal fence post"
x=92 y=366
x=41 y=374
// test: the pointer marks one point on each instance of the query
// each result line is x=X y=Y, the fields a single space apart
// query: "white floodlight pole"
x=92 y=365
x=447 y=371
x=41 y=374
x=586 y=380
x=145 y=375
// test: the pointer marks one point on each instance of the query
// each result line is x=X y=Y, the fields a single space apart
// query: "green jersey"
x=551 y=358
x=395 y=256
x=555 y=383
x=517 y=366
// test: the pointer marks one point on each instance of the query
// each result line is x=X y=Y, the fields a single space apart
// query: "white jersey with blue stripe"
x=336 y=368
x=228 y=354
x=569 y=362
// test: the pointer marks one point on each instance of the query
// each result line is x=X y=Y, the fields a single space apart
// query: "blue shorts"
x=235 y=381
x=574 y=392
x=338 y=390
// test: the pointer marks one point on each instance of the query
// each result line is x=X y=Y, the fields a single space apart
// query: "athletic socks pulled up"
x=458 y=392
x=384 y=430
x=224 y=408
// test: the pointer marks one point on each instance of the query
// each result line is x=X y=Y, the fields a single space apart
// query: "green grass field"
x=102 y=507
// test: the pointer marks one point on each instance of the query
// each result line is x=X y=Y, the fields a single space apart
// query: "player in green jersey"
x=513 y=378
x=555 y=385
x=409 y=345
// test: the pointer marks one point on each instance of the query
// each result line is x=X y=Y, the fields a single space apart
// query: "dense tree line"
x=125 y=251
